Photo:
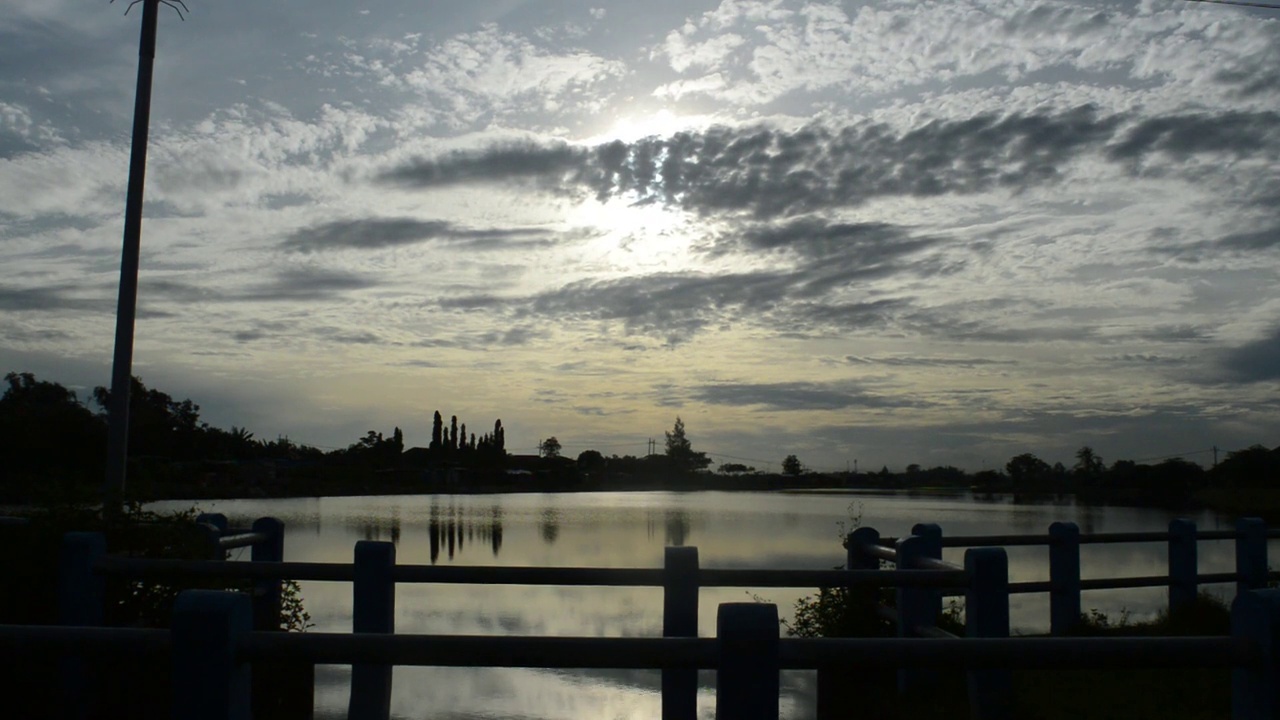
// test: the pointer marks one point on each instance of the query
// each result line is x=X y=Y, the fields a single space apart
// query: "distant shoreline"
x=1228 y=502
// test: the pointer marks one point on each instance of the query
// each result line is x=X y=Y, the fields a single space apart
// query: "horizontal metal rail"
x=928 y=563
x=493 y=575
x=481 y=650
x=1124 y=582
x=241 y=539
x=963 y=541
x=832 y=578
x=640 y=653
x=165 y=568
x=704 y=653
x=881 y=552
x=1081 y=653
x=1035 y=586
x=24 y=642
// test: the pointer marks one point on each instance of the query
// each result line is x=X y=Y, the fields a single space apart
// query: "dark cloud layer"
x=306 y=285
x=799 y=396
x=931 y=362
x=48 y=299
x=1254 y=362
x=379 y=233
x=821 y=258
x=771 y=173
x=676 y=306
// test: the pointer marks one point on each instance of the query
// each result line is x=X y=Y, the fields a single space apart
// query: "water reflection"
x=549 y=526
x=675 y=527
x=756 y=530
x=373 y=527
x=453 y=527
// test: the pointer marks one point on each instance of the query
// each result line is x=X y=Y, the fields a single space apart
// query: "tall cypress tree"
x=453 y=433
x=437 y=432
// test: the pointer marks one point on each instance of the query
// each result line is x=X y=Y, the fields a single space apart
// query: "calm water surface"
x=730 y=530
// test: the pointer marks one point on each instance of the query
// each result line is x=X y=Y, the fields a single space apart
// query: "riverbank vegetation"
x=138 y=688
x=56 y=448
x=1115 y=693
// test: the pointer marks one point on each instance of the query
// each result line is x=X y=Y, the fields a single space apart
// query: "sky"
x=878 y=233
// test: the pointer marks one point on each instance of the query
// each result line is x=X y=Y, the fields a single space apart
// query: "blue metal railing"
x=217 y=636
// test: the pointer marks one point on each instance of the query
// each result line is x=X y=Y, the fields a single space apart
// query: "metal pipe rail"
x=705 y=653
x=964 y=541
x=241 y=539
x=496 y=575
x=1150 y=652
x=647 y=653
x=54 y=641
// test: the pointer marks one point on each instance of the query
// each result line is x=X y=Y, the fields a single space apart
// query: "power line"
x=1175 y=455
x=1239 y=3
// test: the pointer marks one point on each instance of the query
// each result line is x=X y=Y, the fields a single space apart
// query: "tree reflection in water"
x=453 y=529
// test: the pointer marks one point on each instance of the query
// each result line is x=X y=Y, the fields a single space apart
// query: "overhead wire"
x=1238 y=3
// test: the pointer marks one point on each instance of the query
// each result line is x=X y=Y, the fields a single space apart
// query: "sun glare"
x=660 y=123
x=633 y=238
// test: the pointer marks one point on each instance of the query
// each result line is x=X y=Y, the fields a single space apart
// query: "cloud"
x=380 y=233
x=822 y=262
x=771 y=173
x=931 y=362
x=307 y=284
x=492 y=72
x=1256 y=361
x=795 y=51
x=800 y=396
x=1233 y=133
x=677 y=306
x=53 y=298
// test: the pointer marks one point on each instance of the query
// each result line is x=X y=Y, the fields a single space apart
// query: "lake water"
x=730 y=530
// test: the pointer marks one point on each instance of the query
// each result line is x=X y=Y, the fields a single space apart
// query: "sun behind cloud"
x=636 y=237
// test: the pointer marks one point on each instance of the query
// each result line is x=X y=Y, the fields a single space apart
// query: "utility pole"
x=127 y=304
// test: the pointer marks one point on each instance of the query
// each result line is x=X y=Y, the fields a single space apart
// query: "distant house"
x=532 y=463
x=416 y=457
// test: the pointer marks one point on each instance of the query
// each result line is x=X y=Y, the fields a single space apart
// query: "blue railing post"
x=1064 y=577
x=1251 y=554
x=987 y=616
x=217 y=520
x=680 y=619
x=1183 y=564
x=915 y=609
x=1255 y=689
x=932 y=533
x=747 y=682
x=855 y=557
x=266 y=592
x=834 y=700
x=373 y=611
x=209 y=682
x=80 y=603
x=212 y=526
x=80 y=589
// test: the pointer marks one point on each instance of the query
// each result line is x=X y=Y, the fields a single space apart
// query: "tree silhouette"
x=437 y=432
x=158 y=424
x=791 y=465
x=550 y=447
x=591 y=463
x=1089 y=464
x=48 y=434
x=680 y=453
x=1027 y=468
